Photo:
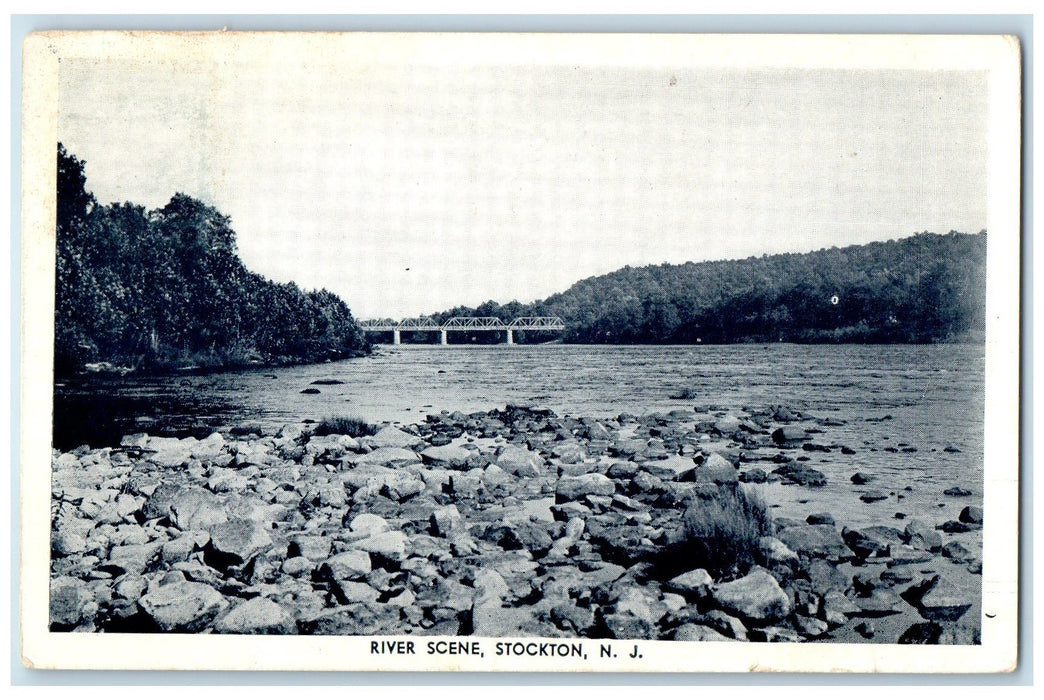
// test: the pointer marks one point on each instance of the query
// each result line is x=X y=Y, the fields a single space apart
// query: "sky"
x=413 y=186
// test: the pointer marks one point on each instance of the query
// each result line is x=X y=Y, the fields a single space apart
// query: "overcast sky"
x=410 y=188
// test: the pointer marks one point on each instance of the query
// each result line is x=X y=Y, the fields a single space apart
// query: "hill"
x=922 y=289
x=165 y=288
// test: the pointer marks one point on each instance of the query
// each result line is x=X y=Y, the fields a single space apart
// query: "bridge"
x=465 y=323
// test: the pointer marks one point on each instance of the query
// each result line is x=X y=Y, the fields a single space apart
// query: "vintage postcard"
x=489 y=352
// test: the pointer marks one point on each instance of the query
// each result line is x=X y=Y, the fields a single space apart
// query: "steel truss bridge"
x=465 y=323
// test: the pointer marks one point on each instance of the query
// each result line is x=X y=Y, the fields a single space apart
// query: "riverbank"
x=505 y=523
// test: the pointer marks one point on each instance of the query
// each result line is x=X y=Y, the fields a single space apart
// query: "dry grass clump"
x=722 y=531
x=344 y=425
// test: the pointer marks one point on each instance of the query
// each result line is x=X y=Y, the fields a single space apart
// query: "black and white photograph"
x=520 y=352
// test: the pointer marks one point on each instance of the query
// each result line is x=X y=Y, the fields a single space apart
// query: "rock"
x=623 y=470
x=183 y=607
x=310 y=390
x=71 y=602
x=820 y=519
x=715 y=470
x=871 y=541
x=879 y=603
x=690 y=632
x=873 y=496
x=756 y=597
x=861 y=478
x=401 y=486
x=348 y=592
x=520 y=462
x=69 y=539
x=446 y=456
x=920 y=535
x=570 y=488
x=446 y=521
x=902 y=554
x=390 y=545
x=955 y=526
x=971 y=514
x=192 y=508
x=696 y=583
x=368 y=524
x=922 y=633
x=133 y=558
x=753 y=476
x=776 y=553
x=815 y=541
x=957 y=492
x=382 y=456
x=354 y=563
x=789 y=435
x=569 y=452
x=313 y=547
x=571 y=618
x=297 y=566
x=956 y=552
x=937 y=599
x=801 y=475
x=825 y=577
x=391 y=436
x=674 y=468
x=257 y=616
x=236 y=541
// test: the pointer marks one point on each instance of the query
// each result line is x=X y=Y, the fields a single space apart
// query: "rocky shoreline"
x=513 y=522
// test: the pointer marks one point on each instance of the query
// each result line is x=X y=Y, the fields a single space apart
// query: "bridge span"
x=464 y=323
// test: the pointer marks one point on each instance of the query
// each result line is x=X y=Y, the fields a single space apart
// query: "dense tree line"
x=922 y=289
x=165 y=288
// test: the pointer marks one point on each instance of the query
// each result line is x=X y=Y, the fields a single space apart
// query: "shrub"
x=344 y=425
x=722 y=531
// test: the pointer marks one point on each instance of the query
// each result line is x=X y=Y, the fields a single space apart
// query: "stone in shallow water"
x=938 y=599
x=922 y=536
x=815 y=540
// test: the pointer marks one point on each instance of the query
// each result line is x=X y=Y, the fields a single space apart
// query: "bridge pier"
x=443 y=337
x=510 y=336
x=396 y=338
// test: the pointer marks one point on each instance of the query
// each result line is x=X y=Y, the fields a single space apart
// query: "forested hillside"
x=165 y=288
x=922 y=289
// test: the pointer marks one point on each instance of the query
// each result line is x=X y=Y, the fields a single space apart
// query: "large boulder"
x=446 y=456
x=757 y=597
x=520 y=461
x=815 y=541
x=570 y=488
x=237 y=541
x=390 y=436
x=183 y=606
x=391 y=545
x=257 y=616
x=354 y=563
x=716 y=470
x=192 y=508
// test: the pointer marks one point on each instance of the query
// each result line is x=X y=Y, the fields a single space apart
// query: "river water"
x=901 y=397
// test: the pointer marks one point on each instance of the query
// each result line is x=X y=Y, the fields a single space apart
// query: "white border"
x=997 y=55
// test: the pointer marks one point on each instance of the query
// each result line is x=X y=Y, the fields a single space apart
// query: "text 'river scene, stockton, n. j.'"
x=782 y=441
